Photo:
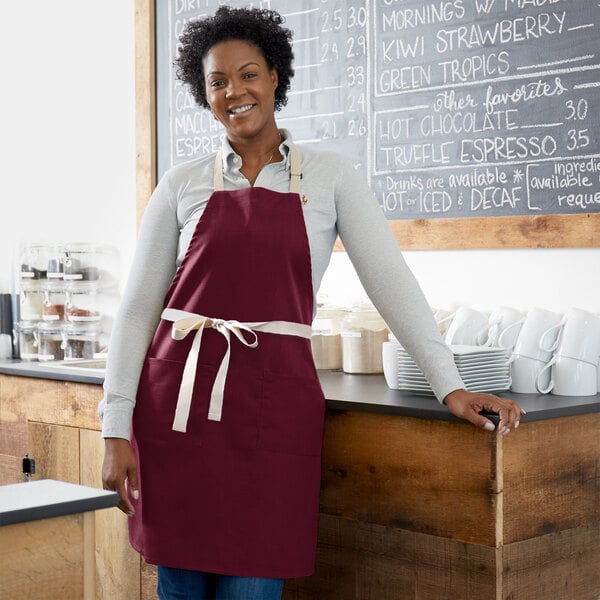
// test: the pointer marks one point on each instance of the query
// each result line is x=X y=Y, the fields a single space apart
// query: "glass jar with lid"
x=326 y=340
x=31 y=300
x=55 y=262
x=53 y=306
x=81 y=340
x=34 y=261
x=81 y=301
x=363 y=333
x=50 y=341
x=26 y=334
x=81 y=262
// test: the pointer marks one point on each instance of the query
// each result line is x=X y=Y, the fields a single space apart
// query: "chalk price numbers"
x=454 y=108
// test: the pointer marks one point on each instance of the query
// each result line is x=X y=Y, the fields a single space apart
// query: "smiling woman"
x=210 y=372
x=240 y=92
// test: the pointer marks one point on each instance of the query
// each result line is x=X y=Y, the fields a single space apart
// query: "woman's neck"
x=257 y=154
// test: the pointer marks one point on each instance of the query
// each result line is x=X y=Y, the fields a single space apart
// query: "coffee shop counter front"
x=415 y=503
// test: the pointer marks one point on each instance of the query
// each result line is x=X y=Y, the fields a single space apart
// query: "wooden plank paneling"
x=19 y=396
x=42 y=560
x=560 y=566
x=89 y=556
x=49 y=401
x=55 y=450
x=552 y=477
x=544 y=231
x=13 y=436
x=117 y=563
x=434 y=477
x=362 y=561
x=149 y=581
x=10 y=469
x=145 y=103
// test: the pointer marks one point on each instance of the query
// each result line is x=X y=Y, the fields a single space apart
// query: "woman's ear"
x=274 y=77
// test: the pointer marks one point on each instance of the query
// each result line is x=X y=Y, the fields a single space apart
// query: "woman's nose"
x=234 y=89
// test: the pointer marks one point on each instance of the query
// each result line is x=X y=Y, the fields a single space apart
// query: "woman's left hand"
x=467 y=405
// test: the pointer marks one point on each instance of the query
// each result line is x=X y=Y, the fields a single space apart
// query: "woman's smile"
x=240 y=90
x=241 y=109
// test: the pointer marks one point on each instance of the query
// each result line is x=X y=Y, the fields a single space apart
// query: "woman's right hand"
x=119 y=472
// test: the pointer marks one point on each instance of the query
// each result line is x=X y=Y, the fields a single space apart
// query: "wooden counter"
x=47 y=539
x=414 y=502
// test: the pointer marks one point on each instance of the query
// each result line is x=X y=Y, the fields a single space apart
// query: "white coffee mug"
x=504 y=326
x=389 y=352
x=578 y=336
x=525 y=375
x=468 y=327
x=443 y=318
x=569 y=377
x=537 y=322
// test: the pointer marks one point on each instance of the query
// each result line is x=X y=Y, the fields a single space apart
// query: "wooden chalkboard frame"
x=544 y=231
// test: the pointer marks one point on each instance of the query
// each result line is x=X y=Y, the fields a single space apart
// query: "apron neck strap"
x=295 y=170
x=218 y=183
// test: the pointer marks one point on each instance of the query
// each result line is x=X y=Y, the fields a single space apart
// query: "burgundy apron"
x=228 y=424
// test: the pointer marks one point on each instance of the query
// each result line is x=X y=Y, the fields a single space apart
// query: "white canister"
x=326 y=341
x=363 y=333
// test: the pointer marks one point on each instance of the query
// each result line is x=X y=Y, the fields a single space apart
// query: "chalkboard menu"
x=449 y=108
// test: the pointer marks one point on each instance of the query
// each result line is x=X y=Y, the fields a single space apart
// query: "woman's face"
x=240 y=89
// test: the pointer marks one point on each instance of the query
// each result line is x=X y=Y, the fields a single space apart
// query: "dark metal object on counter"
x=6 y=314
x=28 y=467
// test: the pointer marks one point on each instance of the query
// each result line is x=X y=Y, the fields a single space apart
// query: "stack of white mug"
x=571 y=348
x=469 y=327
x=550 y=353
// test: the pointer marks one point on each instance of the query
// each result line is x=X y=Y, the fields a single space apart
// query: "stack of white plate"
x=482 y=369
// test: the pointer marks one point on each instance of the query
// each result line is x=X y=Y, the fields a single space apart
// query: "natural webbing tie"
x=185 y=322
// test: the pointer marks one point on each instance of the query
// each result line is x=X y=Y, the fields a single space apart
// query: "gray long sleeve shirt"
x=338 y=203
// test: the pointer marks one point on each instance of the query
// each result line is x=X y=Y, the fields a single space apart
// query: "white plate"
x=485 y=370
x=481 y=363
x=460 y=350
x=506 y=381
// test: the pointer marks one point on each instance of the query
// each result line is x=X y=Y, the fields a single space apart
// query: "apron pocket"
x=157 y=399
x=292 y=414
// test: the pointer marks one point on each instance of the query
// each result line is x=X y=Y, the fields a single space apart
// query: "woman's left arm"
x=396 y=294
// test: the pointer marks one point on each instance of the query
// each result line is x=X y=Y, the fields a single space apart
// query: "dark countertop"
x=371 y=393
x=62 y=370
x=47 y=498
x=348 y=392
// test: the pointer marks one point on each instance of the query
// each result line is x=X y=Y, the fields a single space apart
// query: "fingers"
x=473 y=407
x=119 y=473
x=124 y=503
x=509 y=412
x=132 y=483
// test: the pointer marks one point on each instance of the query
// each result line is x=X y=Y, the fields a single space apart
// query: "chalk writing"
x=449 y=108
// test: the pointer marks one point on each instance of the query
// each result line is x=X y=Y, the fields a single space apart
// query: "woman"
x=210 y=369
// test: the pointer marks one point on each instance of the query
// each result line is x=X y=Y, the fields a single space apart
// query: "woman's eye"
x=217 y=83
x=249 y=75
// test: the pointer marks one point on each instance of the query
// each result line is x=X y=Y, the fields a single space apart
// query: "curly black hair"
x=261 y=27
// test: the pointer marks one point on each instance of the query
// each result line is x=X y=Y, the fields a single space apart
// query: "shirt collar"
x=232 y=161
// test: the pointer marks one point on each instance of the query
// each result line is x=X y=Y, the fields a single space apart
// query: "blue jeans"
x=180 y=584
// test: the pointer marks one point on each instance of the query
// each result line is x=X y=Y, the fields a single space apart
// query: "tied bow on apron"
x=186 y=322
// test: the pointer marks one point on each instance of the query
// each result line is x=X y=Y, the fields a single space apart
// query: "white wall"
x=68 y=164
x=67 y=146
x=555 y=279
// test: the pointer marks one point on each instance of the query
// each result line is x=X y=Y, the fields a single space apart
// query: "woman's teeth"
x=241 y=109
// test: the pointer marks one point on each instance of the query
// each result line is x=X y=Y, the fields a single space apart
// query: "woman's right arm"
x=151 y=272
x=152 y=269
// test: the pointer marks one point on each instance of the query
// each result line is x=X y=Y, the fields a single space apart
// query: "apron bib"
x=228 y=423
